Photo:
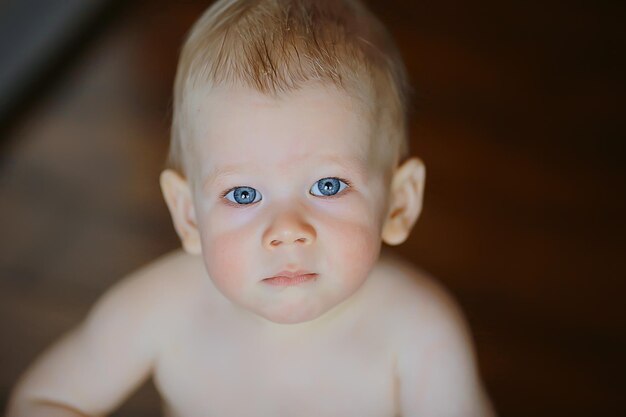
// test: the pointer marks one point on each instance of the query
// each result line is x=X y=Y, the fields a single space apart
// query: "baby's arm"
x=95 y=366
x=436 y=367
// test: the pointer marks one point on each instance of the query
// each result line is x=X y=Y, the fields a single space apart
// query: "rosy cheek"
x=354 y=251
x=223 y=257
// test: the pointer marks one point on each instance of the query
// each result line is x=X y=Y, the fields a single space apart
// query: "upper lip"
x=290 y=274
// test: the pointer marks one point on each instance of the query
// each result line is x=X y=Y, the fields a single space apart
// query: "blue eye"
x=243 y=195
x=329 y=186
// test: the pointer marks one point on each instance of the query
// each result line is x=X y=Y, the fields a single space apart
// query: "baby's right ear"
x=177 y=193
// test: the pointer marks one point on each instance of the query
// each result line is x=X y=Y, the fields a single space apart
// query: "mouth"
x=288 y=279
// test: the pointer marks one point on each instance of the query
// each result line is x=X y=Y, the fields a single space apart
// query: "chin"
x=291 y=317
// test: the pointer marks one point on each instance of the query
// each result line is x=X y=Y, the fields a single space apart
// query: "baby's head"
x=290 y=152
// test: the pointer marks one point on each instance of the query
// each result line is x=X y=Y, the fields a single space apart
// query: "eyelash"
x=230 y=203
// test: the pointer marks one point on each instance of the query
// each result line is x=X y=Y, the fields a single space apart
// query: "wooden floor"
x=516 y=114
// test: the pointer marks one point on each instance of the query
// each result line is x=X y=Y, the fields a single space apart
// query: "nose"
x=287 y=229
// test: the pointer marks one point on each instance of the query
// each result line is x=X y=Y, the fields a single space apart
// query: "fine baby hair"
x=278 y=46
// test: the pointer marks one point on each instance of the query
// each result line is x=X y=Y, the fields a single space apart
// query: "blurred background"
x=518 y=113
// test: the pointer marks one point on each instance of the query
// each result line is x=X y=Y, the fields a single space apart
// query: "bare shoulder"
x=431 y=341
x=414 y=293
x=143 y=310
x=419 y=309
x=149 y=297
x=169 y=275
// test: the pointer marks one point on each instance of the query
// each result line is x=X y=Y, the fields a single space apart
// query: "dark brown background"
x=518 y=115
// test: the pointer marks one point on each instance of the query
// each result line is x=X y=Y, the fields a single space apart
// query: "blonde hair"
x=277 y=46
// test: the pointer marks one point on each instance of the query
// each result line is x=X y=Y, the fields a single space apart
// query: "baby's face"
x=283 y=184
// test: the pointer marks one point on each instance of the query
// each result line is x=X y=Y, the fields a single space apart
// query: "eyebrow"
x=351 y=164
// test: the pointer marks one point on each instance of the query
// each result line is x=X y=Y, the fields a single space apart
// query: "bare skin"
x=208 y=359
x=371 y=336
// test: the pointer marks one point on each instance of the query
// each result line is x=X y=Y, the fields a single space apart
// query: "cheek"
x=223 y=260
x=223 y=246
x=354 y=249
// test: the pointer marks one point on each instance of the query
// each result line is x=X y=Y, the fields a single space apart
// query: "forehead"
x=241 y=129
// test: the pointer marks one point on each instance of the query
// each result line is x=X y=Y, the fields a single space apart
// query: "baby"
x=287 y=171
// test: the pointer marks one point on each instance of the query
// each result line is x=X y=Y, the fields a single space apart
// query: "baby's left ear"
x=407 y=192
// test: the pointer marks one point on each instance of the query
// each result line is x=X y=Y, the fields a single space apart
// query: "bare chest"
x=238 y=374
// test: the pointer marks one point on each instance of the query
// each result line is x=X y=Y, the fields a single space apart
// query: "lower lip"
x=288 y=282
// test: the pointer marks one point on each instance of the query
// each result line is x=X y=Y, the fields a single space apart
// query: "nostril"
x=278 y=242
